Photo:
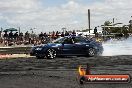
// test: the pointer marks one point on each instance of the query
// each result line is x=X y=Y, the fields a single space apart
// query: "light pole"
x=89 y=20
x=19 y=30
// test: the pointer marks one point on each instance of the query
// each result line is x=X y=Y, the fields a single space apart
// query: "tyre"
x=50 y=54
x=91 y=52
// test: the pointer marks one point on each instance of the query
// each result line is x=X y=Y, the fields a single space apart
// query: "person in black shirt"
x=66 y=34
x=95 y=32
x=40 y=35
x=11 y=35
x=16 y=35
x=45 y=35
x=73 y=33
x=5 y=35
x=62 y=34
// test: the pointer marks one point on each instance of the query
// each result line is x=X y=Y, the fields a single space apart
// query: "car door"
x=68 y=47
x=80 y=46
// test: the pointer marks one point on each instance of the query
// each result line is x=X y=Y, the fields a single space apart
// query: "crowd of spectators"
x=15 y=38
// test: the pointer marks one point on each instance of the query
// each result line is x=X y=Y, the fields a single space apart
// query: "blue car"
x=68 y=46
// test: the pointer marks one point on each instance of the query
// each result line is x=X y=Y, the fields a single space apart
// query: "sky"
x=49 y=15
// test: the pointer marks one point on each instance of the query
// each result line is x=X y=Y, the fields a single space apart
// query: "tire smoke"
x=114 y=47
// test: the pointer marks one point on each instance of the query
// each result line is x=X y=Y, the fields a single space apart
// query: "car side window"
x=68 y=41
x=78 y=40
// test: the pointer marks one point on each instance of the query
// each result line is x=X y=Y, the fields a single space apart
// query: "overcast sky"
x=48 y=15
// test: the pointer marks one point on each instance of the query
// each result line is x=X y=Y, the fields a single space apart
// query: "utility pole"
x=1 y=29
x=19 y=30
x=89 y=20
x=113 y=20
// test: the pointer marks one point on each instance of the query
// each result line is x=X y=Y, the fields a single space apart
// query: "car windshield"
x=59 y=40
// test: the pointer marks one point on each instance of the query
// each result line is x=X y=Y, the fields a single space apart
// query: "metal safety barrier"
x=15 y=50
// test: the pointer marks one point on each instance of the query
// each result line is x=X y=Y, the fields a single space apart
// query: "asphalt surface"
x=60 y=72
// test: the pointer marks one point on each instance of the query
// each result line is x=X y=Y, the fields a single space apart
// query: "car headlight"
x=38 y=48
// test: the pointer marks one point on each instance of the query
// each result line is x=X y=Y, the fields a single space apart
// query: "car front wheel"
x=50 y=54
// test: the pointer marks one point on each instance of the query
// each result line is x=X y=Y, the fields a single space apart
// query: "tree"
x=130 y=26
x=107 y=23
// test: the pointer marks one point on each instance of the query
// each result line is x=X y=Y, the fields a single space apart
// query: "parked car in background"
x=68 y=46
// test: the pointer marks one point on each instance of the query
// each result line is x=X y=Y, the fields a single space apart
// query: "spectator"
x=95 y=31
x=1 y=40
x=57 y=34
x=26 y=35
x=21 y=36
x=62 y=34
x=11 y=35
x=5 y=35
x=45 y=35
x=67 y=33
x=0 y=34
x=53 y=35
x=73 y=33
x=16 y=36
x=40 y=35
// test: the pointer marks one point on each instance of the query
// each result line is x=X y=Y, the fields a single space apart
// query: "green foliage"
x=122 y=29
x=115 y=30
x=107 y=23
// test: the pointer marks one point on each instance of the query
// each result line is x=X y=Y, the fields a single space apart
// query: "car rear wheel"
x=91 y=52
x=50 y=54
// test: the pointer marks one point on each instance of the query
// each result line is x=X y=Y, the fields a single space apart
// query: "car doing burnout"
x=68 y=46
